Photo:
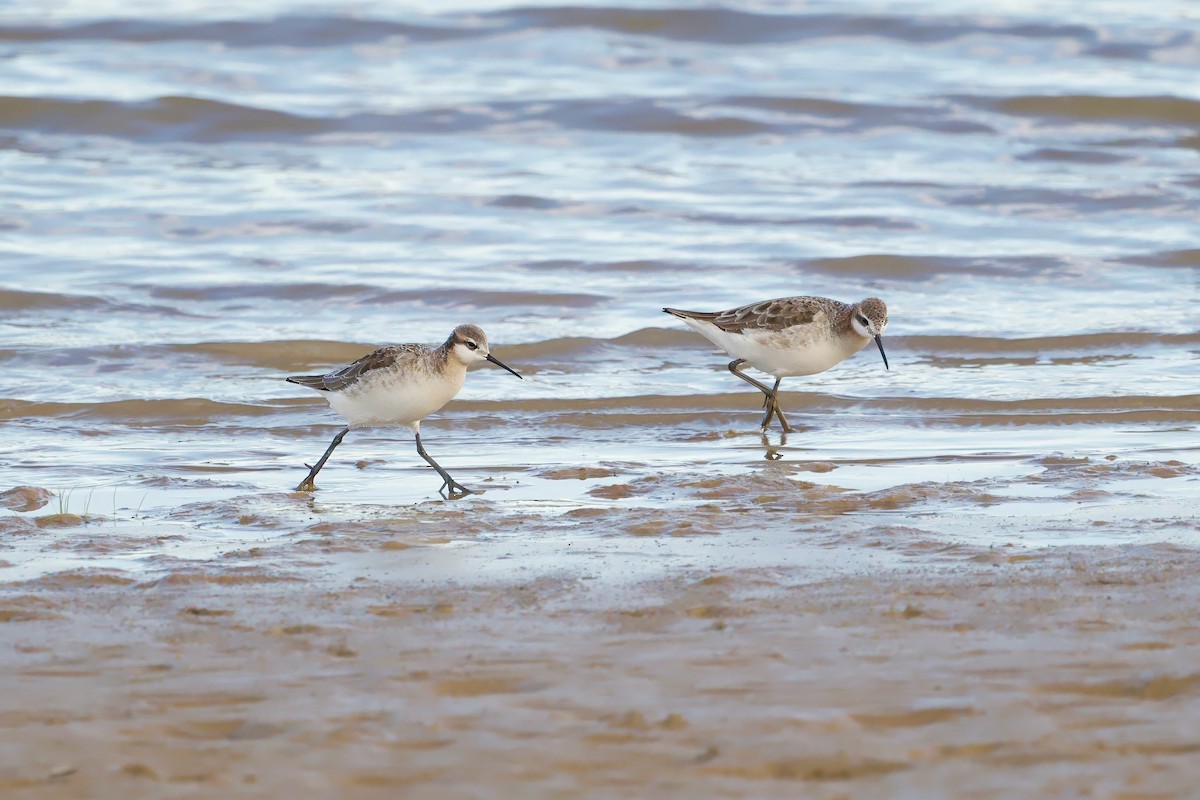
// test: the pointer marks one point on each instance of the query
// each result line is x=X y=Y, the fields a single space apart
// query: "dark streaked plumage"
x=769 y=315
x=396 y=355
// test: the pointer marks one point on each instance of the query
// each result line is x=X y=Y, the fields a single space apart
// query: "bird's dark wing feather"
x=348 y=375
x=770 y=315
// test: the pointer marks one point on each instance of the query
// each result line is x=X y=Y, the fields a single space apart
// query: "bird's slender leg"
x=307 y=484
x=452 y=486
x=733 y=367
x=770 y=400
x=773 y=409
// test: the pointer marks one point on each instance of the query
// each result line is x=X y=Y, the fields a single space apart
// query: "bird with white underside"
x=790 y=336
x=400 y=385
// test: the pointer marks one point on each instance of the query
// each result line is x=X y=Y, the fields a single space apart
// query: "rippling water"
x=197 y=204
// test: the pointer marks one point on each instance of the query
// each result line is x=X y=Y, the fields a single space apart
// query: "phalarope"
x=400 y=385
x=790 y=336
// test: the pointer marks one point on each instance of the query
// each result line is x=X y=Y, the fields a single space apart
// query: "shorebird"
x=400 y=385
x=790 y=336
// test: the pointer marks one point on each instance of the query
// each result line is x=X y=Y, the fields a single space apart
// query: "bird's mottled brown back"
x=383 y=358
x=771 y=315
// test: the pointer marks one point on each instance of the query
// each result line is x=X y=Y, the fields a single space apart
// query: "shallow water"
x=199 y=204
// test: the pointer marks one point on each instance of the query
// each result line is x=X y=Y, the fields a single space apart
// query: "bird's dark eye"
x=863 y=320
x=472 y=345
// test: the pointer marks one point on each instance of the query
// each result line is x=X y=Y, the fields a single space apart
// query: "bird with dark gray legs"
x=790 y=336
x=400 y=385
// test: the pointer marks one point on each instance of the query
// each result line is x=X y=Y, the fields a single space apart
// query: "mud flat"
x=865 y=662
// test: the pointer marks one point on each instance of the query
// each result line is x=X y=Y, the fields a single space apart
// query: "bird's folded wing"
x=382 y=358
x=770 y=315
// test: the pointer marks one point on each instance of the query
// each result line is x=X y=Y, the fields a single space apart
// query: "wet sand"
x=382 y=664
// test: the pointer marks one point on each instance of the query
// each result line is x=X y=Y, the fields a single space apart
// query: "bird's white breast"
x=799 y=350
x=397 y=397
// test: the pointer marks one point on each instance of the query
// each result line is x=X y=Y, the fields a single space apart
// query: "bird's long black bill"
x=500 y=363
x=879 y=344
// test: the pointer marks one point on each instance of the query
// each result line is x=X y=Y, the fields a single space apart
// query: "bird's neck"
x=442 y=360
x=843 y=325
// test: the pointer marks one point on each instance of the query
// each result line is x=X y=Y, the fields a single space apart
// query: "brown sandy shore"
x=988 y=672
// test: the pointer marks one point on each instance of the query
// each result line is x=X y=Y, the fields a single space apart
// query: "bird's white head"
x=469 y=345
x=869 y=320
x=869 y=317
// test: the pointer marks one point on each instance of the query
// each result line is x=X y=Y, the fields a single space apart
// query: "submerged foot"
x=773 y=411
x=452 y=490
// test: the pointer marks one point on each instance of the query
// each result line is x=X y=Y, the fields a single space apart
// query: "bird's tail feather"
x=311 y=381
x=687 y=315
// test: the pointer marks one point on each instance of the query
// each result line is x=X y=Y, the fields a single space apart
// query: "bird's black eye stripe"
x=472 y=345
